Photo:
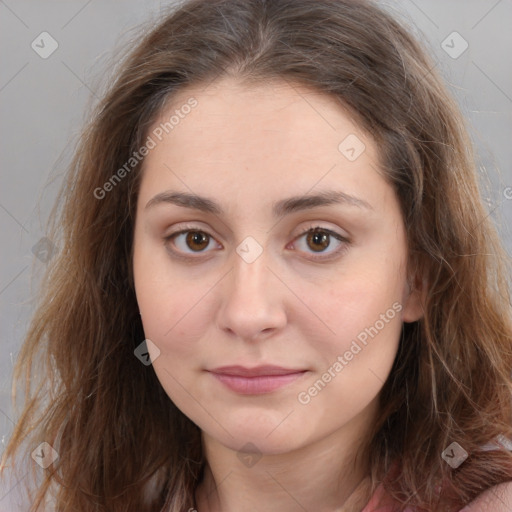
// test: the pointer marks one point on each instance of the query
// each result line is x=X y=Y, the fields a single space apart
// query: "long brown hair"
x=122 y=444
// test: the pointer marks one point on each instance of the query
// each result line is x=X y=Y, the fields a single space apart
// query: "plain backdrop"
x=43 y=100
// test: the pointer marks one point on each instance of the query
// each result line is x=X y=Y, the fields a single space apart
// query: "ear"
x=414 y=297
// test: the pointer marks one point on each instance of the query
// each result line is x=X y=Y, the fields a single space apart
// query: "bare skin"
x=300 y=304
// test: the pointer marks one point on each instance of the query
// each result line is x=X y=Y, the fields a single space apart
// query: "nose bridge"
x=249 y=279
x=250 y=261
x=250 y=297
x=250 y=275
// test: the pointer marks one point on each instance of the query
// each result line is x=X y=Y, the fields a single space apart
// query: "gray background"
x=43 y=102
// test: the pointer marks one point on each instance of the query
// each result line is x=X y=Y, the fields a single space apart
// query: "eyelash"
x=311 y=229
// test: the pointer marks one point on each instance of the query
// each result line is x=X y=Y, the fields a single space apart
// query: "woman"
x=279 y=288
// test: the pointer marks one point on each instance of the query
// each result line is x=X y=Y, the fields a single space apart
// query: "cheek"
x=173 y=316
x=363 y=309
x=173 y=304
x=365 y=297
x=355 y=361
x=367 y=331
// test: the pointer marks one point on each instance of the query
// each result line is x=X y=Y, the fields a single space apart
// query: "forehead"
x=249 y=139
x=277 y=106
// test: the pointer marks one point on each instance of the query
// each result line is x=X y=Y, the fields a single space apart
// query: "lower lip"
x=257 y=385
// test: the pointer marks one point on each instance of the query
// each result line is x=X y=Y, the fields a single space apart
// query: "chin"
x=251 y=442
x=269 y=437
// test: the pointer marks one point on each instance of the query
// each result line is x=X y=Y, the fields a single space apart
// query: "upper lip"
x=257 y=371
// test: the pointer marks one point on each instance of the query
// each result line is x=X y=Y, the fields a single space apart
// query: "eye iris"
x=318 y=237
x=197 y=237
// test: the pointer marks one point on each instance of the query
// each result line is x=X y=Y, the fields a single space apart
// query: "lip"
x=258 y=380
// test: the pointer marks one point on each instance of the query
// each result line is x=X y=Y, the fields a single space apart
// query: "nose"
x=252 y=300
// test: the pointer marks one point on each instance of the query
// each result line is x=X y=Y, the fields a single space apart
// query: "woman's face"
x=229 y=273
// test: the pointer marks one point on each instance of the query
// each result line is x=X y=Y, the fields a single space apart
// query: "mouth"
x=254 y=381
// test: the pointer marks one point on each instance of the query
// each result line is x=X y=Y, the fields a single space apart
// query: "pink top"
x=380 y=502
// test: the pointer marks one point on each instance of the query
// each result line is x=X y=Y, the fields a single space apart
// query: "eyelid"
x=184 y=227
x=319 y=226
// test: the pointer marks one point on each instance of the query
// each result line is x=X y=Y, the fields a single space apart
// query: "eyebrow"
x=279 y=208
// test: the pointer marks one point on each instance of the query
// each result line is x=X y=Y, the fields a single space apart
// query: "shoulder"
x=497 y=499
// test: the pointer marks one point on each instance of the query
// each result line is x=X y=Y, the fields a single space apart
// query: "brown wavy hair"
x=122 y=443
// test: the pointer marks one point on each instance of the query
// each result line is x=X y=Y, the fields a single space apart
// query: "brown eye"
x=197 y=240
x=326 y=243
x=189 y=241
x=318 y=240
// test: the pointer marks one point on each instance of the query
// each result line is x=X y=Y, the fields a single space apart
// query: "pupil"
x=197 y=238
x=320 y=237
